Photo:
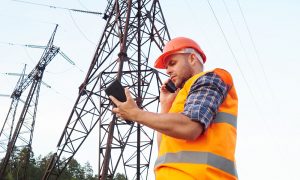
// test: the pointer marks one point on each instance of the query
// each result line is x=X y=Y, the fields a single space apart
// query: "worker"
x=196 y=128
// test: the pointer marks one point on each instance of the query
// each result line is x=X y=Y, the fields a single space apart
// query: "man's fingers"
x=115 y=110
x=127 y=93
x=114 y=100
x=165 y=81
x=163 y=87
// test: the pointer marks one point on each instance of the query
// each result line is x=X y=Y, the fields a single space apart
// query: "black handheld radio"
x=116 y=90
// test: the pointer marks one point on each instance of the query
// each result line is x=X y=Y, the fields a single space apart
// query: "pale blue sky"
x=267 y=79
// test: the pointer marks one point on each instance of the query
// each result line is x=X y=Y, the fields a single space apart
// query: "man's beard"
x=182 y=82
x=187 y=76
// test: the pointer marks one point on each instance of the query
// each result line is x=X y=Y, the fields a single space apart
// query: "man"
x=197 y=124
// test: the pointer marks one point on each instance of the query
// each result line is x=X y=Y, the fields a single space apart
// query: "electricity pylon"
x=7 y=128
x=21 y=138
x=133 y=30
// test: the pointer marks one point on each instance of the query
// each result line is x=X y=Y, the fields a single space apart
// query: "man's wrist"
x=164 y=108
x=137 y=114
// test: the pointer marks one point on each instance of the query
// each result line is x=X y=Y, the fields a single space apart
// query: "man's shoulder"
x=212 y=79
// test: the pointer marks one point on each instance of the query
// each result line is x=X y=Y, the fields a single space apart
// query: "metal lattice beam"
x=132 y=31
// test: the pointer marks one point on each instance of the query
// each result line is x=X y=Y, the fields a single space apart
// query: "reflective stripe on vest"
x=207 y=158
x=227 y=118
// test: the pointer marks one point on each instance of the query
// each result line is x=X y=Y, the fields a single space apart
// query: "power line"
x=240 y=41
x=28 y=55
x=255 y=49
x=235 y=30
x=81 y=32
x=56 y=7
x=203 y=26
x=11 y=17
x=276 y=108
x=73 y=20
x=45 y=84
x=235 y=59
x=82 y=5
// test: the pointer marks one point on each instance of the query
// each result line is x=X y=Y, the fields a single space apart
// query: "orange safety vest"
x=211 y=155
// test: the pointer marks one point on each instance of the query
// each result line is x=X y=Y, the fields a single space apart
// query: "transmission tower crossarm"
x=35 y=46
x=18 y=74
x=60 y=52
x=66 y=57
x=48 y=54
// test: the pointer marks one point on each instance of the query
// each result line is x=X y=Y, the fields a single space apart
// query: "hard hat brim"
x=160 y=61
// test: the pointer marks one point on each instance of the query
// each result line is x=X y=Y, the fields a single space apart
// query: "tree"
x=37 y=166
x=120 y=177
x=88 y=169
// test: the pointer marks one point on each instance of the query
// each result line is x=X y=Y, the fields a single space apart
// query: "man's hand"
x=166 y=98
x=175 y=125
x=126 y=110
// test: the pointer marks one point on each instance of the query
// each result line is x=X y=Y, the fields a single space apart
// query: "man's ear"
x=193 y=59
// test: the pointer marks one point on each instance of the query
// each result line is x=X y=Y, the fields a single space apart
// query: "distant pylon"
x=7 y=128
x=134 y=30
x=21 y=139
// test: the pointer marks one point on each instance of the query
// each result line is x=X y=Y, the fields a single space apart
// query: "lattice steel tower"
x=19 y=137
x=133 y=30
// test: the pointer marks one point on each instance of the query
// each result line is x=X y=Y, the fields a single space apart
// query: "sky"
x=258 y=42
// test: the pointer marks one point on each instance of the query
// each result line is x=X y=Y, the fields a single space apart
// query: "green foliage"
x=24 y=166
x=119 y=177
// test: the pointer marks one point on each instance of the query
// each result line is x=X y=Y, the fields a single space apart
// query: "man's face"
x=179 y=68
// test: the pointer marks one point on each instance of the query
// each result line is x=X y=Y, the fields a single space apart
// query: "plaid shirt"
x=204 y=98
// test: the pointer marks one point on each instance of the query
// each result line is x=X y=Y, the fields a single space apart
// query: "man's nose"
x=168 y=70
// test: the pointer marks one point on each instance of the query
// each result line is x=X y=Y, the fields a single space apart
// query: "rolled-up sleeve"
x=204 y=98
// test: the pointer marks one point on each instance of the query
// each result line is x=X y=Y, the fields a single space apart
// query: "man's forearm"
x=172 y=124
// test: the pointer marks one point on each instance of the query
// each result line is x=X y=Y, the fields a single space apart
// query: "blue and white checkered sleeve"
x=204 y=99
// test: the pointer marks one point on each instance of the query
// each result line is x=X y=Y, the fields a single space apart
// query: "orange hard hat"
x=175 y=45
